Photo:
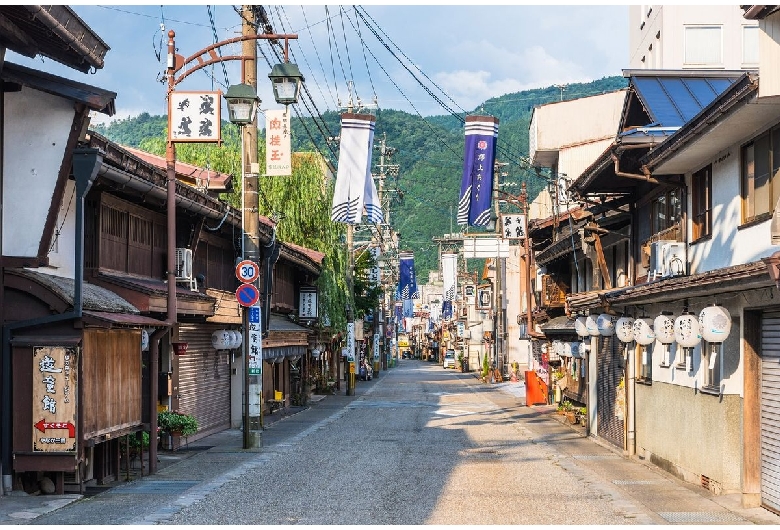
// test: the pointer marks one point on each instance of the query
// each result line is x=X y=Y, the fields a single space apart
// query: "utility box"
x=164 y=384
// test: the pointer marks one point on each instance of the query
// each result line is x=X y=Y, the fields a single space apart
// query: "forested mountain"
x=429 y=152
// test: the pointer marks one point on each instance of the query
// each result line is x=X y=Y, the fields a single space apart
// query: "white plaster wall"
x=670 y=21
x=37 y=126
x=576 y=159
x=63 y=247
x=728 y=245
x=769 y=56
x=730 y=356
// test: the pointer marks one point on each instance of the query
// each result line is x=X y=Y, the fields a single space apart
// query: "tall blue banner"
x=446 y=310
x=407 y=282
x=476 y=187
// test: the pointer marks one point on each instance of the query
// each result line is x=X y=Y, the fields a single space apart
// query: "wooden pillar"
x=751 y=411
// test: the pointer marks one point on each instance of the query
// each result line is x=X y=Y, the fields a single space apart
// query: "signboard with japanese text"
x=307 y=304
x=54 y=392
x=194 y=116
x=351 y=342
x=254 y=340
x=485 y=298
x=277 y=144
x=376 y=347
x=513 y=226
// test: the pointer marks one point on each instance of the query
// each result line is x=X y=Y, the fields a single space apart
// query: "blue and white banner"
x=407 y=282
x=449 y=272
x=476 y=187
x=355 y=188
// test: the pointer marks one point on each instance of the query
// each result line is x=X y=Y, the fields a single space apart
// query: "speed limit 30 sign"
x=247 y=271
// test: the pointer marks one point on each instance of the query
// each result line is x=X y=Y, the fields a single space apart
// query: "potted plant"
x=177 y=423
x=583 y=416
x=485 y=368
x=461 y=366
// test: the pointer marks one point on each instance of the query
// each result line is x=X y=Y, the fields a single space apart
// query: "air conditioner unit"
x=656 y=267
x=674 y=262
x=184 y=268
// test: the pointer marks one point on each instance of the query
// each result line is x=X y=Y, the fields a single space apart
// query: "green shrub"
x=171 y=421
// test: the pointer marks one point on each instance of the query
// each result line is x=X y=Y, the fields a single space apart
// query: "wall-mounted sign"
x=307 y=303
x=194 y=116
x=55 y=387
x=485 y=299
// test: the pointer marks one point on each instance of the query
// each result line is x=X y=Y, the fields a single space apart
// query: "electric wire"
x=216 y=40
x=346 y=48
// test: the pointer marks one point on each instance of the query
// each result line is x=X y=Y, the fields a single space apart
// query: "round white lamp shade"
x=606 y=325
x=663 y=326
x=624 y=329
x=686 y=330
x=643 y=331
x=592 y=325
x=221 y=339
x=715 y=323
x=238 y=339
x=580 y=327
x=566 y=349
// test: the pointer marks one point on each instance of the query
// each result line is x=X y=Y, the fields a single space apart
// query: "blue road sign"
x=254 y=314
x=247 y=295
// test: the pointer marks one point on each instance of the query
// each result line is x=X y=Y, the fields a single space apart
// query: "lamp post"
x=242 y=104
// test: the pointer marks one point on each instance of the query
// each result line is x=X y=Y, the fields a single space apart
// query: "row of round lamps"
x=713 y=325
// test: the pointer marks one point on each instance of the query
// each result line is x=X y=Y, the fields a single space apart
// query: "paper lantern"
x=624 y=329
x=580 y=327
x=686 y=330
x=664 y=328
x=221 y=339
x=592 y=325
x=144 y=340
x=567 y=349
x=643 y=331
x=606 y=325
x=715 y=323
x=576 y=349
x=238 y=339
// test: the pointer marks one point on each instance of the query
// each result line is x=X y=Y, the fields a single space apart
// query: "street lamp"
x=242 y=103
x=286 y=81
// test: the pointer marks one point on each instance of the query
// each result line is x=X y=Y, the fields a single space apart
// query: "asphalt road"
x=423 y=446
x=416 y=445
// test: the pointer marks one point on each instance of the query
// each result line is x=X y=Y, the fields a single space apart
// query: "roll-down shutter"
x=611 y=410
x=204 y=380
x=770 y=411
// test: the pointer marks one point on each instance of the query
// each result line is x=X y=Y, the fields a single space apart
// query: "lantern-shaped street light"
x=286 y=81
x=242 y=102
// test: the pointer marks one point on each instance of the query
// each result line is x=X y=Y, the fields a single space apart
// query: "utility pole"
x=385 y=169
x=253 y=385
x=350 y=107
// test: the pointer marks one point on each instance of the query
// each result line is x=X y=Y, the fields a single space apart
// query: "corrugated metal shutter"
x=204 y=380
x=609 y=373
x=770 y=411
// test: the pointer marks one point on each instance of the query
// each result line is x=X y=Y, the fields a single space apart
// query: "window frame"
x=643 y=371
x=753 y=29
x=711 y=378
x=686 y=33
x=701 y=203
x=672 y=219
x=752 y=160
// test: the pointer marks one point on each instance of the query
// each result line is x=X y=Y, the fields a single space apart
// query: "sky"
x=464 y=55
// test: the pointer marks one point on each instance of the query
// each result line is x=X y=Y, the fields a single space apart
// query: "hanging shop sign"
x=307 y=304
x=513 y=226
x=194 y=116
